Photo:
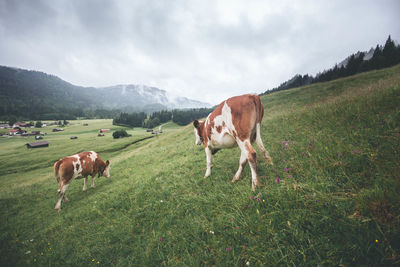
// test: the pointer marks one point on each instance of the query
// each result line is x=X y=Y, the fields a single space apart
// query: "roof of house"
x=38 y=144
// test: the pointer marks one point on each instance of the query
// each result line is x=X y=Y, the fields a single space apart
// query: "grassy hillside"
x=336 y=149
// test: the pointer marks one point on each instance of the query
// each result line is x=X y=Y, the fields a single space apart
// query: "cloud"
x=205 y=50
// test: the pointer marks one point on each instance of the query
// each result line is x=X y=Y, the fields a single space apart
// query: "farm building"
x=20 y=124
x=37 y=144
x=4 y=126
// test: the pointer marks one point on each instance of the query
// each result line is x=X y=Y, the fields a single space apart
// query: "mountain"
x=145 y=97
x=36 y=95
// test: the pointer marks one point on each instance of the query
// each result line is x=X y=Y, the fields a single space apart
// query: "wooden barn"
x=38 y=144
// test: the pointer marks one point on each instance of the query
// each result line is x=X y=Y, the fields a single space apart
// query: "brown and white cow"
x=76 y=166
x=235 y=122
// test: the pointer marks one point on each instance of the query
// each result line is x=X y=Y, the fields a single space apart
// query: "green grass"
x=337 y=201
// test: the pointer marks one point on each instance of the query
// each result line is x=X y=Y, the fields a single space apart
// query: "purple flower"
x=238 y=227
x=283 y=160
x=251 y=197
x=160 y=239
x=258 y=199
x=340 y=154
x=227 y=249
x=354 y=151
x=248 y=206
x=290 y=176
x=285 y=169
x=278 y=180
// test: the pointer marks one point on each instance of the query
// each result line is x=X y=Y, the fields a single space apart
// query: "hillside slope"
x=37 y=95
x=336 y=149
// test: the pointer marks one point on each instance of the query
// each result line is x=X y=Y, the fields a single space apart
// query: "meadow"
x=331 y=198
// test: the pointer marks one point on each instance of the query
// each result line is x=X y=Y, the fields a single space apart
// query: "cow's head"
x=106 y=171
x=198 y=126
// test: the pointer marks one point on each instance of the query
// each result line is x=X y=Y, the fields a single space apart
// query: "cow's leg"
x=261 y=145
x=65 y=197
x=247 y=148
x=209 y=161
x=61 y=192
x=84 y=183
x=242 y=163
x=93 y=176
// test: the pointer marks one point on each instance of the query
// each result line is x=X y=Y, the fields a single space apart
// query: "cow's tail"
x=259 y=108
x=260 y=114
x=57 y=173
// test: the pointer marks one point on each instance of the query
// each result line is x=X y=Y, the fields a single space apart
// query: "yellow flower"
x=98 y=262
x=92 y=259
x=263 y=200
x=376 y=241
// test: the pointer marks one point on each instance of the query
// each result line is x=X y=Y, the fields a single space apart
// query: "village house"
x=20 y=124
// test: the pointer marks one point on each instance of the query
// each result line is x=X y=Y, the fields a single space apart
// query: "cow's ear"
x=196 y=123
x=107 y=162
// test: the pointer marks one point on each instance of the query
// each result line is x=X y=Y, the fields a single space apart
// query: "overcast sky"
x=206 y=50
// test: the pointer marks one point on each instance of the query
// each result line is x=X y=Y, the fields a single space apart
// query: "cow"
x=76 y=166
x=235 y=122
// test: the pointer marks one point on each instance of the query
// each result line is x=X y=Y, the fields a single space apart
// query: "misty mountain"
x=37 y=95
x=145 y=96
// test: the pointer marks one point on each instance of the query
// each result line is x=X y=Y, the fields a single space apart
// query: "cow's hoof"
x=66 y=200
x=269 y=161
x=235 y=178
x=57 y=209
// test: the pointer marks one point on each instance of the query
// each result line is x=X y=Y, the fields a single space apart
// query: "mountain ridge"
x=32 y=94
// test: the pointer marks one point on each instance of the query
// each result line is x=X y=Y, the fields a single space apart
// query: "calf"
x=79 y=165
x=235 y=122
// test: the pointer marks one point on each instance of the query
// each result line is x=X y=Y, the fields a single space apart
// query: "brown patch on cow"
x=219 y=129
x=77 y=167
x=246 y=112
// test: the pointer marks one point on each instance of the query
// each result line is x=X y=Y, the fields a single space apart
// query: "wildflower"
x=161 y=201
x=238 y=227
x=248 y=206
x=263 y=200
x=41 y=253
x=372 y=154
x=248 y=263
x=211 y=232
x=340 y=154
x=28 y=252
x=278 y=180
x=98 y=262
x=290 y=176
x=92 y=259
x=285 y=169
x=258 y=199
x=227 y=249
x=376 y=241
x=326 y=148
x=354 y=151
x=251 y=197
x=34 y=259
x=160 y=239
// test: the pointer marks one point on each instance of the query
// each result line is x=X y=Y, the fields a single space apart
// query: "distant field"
x=336 y=149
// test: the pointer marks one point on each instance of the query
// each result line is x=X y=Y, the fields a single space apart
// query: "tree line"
x=383 y=57
x=179 y=116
